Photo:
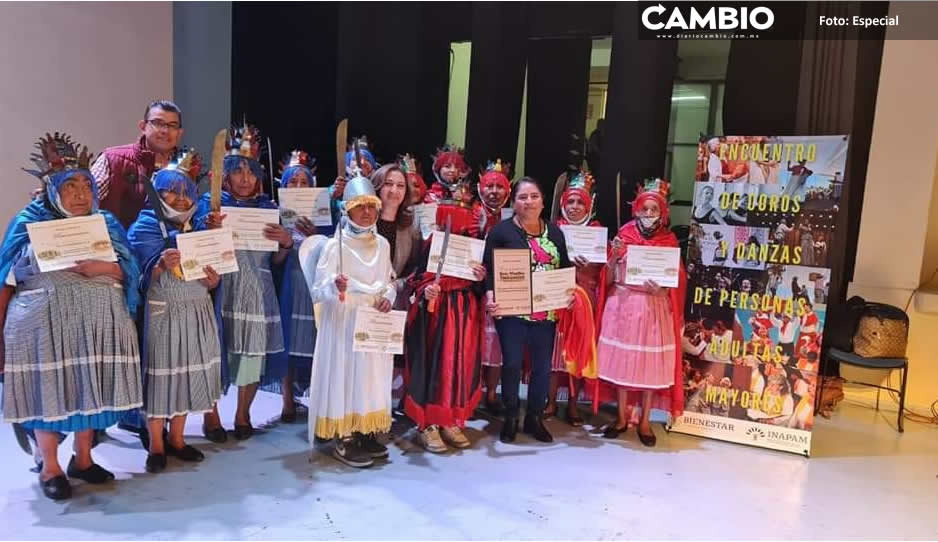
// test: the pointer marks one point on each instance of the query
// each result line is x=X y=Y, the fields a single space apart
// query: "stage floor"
x=864 y=480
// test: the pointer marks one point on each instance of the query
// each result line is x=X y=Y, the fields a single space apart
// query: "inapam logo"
x=755 y=433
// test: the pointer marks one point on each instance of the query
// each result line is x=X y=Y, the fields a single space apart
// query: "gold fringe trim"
x=378 y=421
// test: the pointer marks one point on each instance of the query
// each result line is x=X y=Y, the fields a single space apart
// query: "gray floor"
x=863 y=481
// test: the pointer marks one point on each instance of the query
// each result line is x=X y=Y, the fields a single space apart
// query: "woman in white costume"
x=350 y=392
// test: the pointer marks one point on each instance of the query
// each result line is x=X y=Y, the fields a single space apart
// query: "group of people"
x=132 y=343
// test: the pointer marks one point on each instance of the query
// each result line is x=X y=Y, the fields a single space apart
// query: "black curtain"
x=558 y=87
x=762 y=80
x=496 y=81
x=283 y=65
x=378 y=71
x=641 y=76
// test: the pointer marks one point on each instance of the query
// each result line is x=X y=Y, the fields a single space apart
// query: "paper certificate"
x=379 y=332
x=586 y=241
x=206 y=248
x=660 y=264
x=58 y=244
x=553 y=290
x=247 y=227
x=461 y=254
x=425 y=215
x=512 y=268
x=313 y=203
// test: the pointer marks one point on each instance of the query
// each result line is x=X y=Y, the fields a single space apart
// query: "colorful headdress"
x=295 y=162
x=498 y=174
x=181 y=175
x=243 y=144
x=244 y=141
x=582 y=185
x=59 y=159
x=412 y=171
x=450 y=155
x=57 y=154
x=658 y=190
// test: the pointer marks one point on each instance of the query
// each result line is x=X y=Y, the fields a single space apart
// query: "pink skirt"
x=637 y=345
x=491 y=348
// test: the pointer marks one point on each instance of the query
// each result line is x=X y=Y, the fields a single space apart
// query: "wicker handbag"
x=883 y=332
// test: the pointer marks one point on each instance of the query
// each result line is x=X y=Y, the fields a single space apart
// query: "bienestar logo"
x=720 y=18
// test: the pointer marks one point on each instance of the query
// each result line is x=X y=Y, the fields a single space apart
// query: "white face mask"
x=359 y=231
x=649 y=223
x=177 y=217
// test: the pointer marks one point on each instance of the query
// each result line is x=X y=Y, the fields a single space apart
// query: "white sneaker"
x=454 y=436
x=430 y=439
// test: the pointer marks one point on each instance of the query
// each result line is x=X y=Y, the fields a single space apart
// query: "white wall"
x=88 y=69
x=895 y=247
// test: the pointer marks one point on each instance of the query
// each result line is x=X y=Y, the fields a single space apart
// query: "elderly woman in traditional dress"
x=71 y=357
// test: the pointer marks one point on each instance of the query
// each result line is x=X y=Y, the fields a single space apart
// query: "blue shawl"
x=40 y=210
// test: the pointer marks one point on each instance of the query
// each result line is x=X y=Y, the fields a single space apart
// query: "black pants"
x=516 y=334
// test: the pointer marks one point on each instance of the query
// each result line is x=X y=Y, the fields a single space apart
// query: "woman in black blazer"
x=536 y=331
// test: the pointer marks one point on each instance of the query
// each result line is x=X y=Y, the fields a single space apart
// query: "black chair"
x=872 y=363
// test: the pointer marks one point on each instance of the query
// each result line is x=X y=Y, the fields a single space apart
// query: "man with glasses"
x=121 y=171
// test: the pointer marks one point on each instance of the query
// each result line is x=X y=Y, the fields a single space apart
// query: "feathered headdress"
x=189 y=162
x=244 y=141
x=58 y=153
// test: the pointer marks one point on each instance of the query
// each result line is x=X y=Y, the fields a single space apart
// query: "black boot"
x=509 y=430
x=534 y=426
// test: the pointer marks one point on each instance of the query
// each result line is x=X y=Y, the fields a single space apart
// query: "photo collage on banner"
x=758 y=273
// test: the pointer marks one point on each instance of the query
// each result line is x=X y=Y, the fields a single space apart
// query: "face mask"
x=649 y=223
x=359 y=231
x=177 y=217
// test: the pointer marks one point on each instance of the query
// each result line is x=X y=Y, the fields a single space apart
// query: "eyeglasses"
x=160 y=125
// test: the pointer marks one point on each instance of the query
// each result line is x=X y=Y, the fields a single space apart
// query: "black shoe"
x=534 y=426
x=243 y=432
x=613 y=432
x=216 y=434
x=156 y=463
x=369 y=443
x=347 y=451
x=95 y=474
x=57 y=488
x=509 y=430
x=647 y=440
x=130 y=428
x=186 y=453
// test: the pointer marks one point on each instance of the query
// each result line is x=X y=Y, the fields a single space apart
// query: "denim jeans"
x=516 y=335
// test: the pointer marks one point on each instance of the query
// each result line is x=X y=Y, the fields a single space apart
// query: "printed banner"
x=758 y=270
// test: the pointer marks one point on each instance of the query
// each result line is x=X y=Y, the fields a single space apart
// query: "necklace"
x=540 y=225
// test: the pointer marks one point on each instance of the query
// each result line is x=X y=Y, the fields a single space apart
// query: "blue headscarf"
x=294 y=170
x=146 y=236
x=260 y=201
x=49 y=207
x=366 y=155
